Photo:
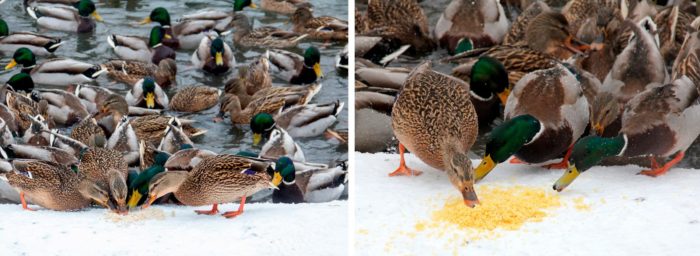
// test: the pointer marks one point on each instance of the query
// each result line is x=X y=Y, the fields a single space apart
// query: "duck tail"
x=32 y=11
x=53 y=45
x=112 y=41
x=94 y=72
x=392 y=56
x=338 y=107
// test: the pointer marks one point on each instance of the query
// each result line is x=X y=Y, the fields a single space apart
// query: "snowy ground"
x=626 y=214
x=264 y=229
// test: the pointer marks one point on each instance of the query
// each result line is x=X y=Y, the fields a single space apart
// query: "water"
x=122 y=17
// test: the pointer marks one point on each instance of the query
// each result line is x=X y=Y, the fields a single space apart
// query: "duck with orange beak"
x=64 y=18
x=147 y=94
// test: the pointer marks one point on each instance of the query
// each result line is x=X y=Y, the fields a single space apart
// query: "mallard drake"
x=545 y=114
x=299 y=121
x=189 y=31
x=215 y=180
x=124 y=141
x=20 y=82
x=489 y=86
x=40 y=45
x=107 y=170
x=66 y=18
x=279 y=144
x=321 y=27
x=516 y=33
x=174 y=139
x=213 y=56
x=482 y=22
x=402 y=20
x=64 y=108
x=135 y=48
x=47 y=184
x=147 y=93
x=313 y=186
x=89 y=133
x=231 y=103
x=60 y=72
x=195 y=98
x=187 y=158
x=262 y=37
x=626 y=81
x=139 y=186
x=284 y=6
x=130 y=71
x=440 y=140
x=296 y=69
x=667 y=115
x=43 y=153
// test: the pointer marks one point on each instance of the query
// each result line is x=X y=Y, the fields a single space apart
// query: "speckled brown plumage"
x=671 y=21
x=187 y=159
x=332 y=28
x=517 y=29
x=152 y=128
x=96 y=162
x=195 y=98
x=130 y=72
x=89 y=133
x=51 y=186
x=218 y=179
x=231 y=103
x=20 y=105
x=431 y=110
x=400 y=19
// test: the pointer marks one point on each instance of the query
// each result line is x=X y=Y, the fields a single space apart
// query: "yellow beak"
x=257 y=137
x=252 y=5
x=277 y=179
x=504 y=96
x=219 y=59
x=150 y=100
x=567 y=178
x=166 y=36
x=145 y=21
x=317 y=69
x=484 y=168
x=135 y=197
x=96 y=16
x=11 y=65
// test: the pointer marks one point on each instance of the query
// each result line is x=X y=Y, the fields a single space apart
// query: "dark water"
x=433 y=9
x=122 y=17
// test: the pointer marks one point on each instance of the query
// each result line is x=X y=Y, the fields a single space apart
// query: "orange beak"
x=151 y=199
x=575 y=46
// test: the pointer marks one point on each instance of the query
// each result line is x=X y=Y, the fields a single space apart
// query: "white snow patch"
x=628 y=214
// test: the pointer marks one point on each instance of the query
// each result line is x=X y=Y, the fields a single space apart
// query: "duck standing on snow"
x=442 y=138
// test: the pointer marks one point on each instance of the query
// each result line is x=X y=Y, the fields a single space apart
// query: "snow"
x=623 y=213
x=263 y=229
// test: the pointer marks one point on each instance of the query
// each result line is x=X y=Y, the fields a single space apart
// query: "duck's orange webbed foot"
x=658 y=171
x=515 y=160
x=233 y=214
x=564 y=162
x=24 y=202
x=214 y=210
x=403 y=169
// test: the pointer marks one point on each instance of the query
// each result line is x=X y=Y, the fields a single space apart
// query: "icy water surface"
x=122 y=17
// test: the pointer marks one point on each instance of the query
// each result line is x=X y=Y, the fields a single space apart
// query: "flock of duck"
x=110 y=132
x=575 y=83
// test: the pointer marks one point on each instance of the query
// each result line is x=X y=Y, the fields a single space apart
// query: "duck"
x=256 y=77
x=187 y=158
x=231 y=103
x=284 y=6
x=35 y=134
x=299 y=121
x=135 y=48
x=341 y=59
x=292 y=95
x=147 y=93
x=321 y=27
x=109 y=190
x=58 y=72
x=124 y=141
x=667 y=115
x=43 y=153
x=672 y=25
x=138 y=187
x=489 y=89
x=63 y=107
x=47 y=184
x=131 y=71
x=93 y=97
x=174 y=139
x=22 y=108
x=296 y=69
x=213 y=56
x=403 y=21
x=190 y=29
x=539 y=128
x=481 y=22
x=40 y=45
x=230 y=176
x=63 y=18
x=192 y=99
x=688 y=61
x=263 y=37
x=6 y=136
x=517 y=30
x=625 y=81
x=379 y=50
x=152 y=127
x=279 y=144
x=89 y=132
x=106 y=169
x=443 y=138
x=308 y=186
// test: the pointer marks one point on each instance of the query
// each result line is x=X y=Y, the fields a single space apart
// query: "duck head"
x=261 y=124
x=588 y=152
x=87 y=8
x=24 y=57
